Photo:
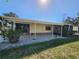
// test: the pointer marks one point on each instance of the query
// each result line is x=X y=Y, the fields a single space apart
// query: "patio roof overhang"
x=19 y=20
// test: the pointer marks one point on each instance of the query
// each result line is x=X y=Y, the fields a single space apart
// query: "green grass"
x=54 y=49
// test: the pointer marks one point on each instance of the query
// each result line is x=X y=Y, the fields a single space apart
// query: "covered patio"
x=26 y=39
x=35 y=32
x=39 y=37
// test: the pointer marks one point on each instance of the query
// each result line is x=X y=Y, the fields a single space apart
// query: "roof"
x=19 y=20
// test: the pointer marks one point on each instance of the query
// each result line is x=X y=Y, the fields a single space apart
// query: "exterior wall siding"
x=40 y=28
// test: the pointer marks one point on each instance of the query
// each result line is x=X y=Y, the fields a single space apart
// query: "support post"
x=35 y=31
x=69 y=30
x=52 y=30
x=69 y=27
x=14 y=25
x=61 y=30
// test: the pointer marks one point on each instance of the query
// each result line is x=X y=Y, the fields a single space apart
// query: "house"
x=30 y=26
x=36 y=27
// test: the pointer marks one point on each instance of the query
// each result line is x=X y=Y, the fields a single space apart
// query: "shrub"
x=13 y=36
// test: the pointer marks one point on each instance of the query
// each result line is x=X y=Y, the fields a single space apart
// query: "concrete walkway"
x=25 y=40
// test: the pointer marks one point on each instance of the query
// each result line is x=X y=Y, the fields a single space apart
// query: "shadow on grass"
x=27 y=50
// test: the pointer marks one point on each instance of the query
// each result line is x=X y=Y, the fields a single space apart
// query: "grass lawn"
x=54 y=49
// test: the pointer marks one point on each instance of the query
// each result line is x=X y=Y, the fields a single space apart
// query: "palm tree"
x=77 y=19
x=68 y=20
x=72 y=21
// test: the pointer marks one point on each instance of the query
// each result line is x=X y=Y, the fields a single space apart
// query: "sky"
x=52 y=11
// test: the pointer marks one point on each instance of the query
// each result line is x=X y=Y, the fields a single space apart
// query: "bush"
x=13 y=36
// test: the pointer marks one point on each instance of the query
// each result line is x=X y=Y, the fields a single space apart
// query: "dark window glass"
x=48 y=28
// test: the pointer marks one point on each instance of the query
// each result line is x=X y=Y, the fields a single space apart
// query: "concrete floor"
x=39 y=38
x=28 y=39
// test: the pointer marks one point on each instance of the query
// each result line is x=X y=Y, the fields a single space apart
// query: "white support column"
x=35 y=32
x=61 y=30
x=52 y=31
x=14 y=26
x=69 y=27
x=31 y=37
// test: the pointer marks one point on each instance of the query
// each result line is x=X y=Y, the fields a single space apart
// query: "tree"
x=68 y=20
x=77 y=18
x=10 y=14
x=72 y=21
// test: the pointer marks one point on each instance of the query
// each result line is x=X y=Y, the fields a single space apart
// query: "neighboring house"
x=76 y=30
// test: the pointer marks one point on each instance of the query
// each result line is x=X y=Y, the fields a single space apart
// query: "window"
x=48 y=28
